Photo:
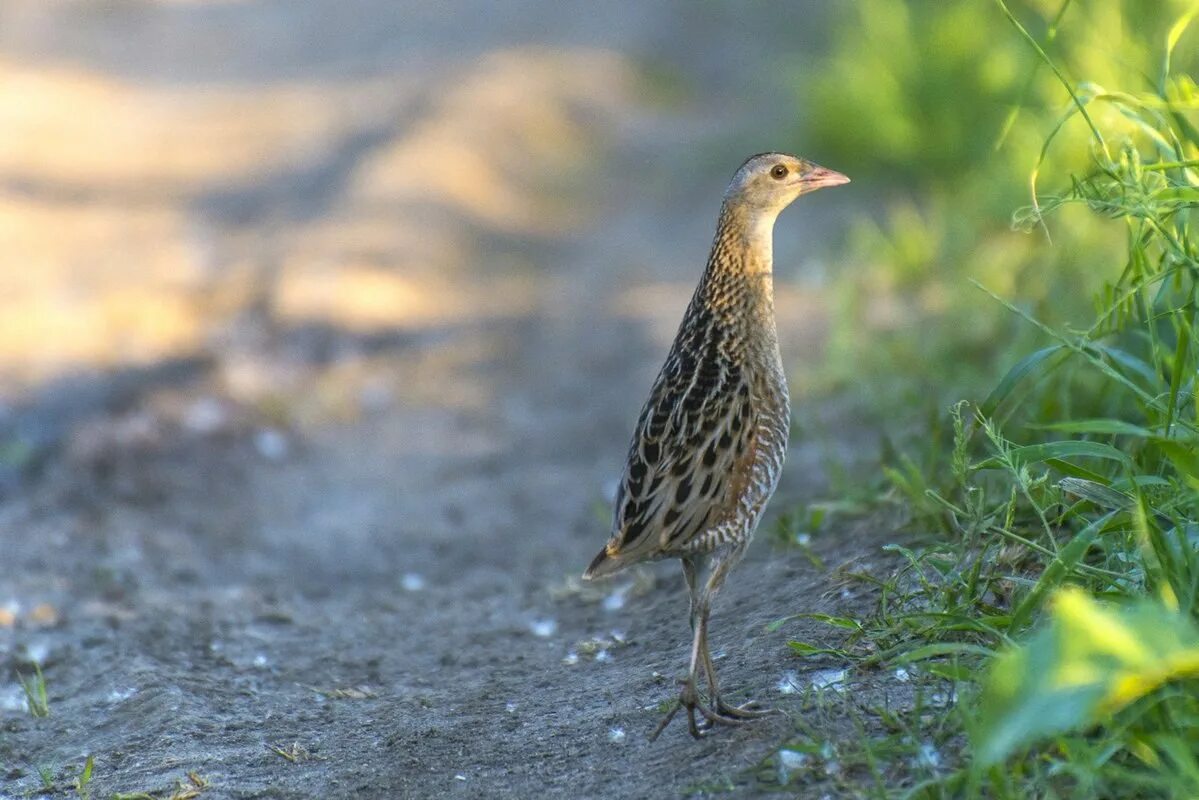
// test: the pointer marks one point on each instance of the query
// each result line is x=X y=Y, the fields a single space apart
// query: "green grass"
x=1051 y=580
x=36 y=699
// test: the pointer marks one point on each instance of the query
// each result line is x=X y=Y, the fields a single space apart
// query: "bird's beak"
x=819 y=177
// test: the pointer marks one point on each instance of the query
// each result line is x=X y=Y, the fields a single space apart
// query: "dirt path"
x=415 y=328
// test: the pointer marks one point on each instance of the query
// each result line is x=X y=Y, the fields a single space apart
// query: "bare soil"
x=297 y=490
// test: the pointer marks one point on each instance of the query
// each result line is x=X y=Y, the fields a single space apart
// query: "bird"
x=709 y=444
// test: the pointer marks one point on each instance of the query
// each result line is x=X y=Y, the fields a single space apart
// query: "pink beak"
x=819 y=177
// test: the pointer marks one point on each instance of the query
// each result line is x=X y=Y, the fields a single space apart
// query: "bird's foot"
x=709 y=718
x=747 y=711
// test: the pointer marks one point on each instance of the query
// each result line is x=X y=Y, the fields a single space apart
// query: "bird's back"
x=709 y=444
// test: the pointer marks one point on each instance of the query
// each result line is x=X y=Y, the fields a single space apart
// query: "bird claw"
x=709 y=717
x=747 y=711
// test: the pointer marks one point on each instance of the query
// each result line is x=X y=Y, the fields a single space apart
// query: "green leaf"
x=1017 y=374
x=1110 y=426
x=1179 y=368
x=1095 y=492
x=1087 y=663
x=950 y=671
x=837 y=622
x=1057 y=571
x=1129 y=362
x=1182 y=195
x=1049 y=451
x=939 y=649
x=1184 y=459
x=805 y=649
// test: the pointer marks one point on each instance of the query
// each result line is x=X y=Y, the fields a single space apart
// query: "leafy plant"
x=1060 y=507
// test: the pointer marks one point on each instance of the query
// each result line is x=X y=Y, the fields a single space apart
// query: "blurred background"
x=295 y=294
x=183 y=179
x=231 y=191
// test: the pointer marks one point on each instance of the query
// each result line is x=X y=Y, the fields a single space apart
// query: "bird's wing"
x=690 y=453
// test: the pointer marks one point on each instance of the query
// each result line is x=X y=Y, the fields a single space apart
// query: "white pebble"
x=412 y=582
x=12 y=698
x=120 y=695
x=616 y=735
x=928 y=756
x=543 y=628
x=614 y=601
x=788 y=761
x=826 y=678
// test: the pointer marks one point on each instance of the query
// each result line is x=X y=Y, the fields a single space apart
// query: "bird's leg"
x=750 y=710
x=740 y=713
x=689 y=697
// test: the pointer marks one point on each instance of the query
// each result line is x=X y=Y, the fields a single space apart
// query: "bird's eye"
x=778 y=172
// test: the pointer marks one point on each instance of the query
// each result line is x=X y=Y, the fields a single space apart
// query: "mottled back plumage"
x=710 y=441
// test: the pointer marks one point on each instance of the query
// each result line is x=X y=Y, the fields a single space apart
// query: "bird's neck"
x=738 y=284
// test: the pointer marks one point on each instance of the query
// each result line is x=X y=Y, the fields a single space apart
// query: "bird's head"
x=769 y=182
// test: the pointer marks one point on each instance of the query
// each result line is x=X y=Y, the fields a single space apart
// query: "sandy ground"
x=324 y=328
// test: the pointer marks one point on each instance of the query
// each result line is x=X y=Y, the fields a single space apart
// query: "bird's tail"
x=606 y=563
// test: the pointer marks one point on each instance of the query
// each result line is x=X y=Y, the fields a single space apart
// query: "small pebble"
x=543 y=628
x=120 y=695
x=12 y=698
x=928 y=756
x=614 y=601
x=829 y=678
x=789 y=761
x=412 y=582
x=616 y=735
x=571 y=658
